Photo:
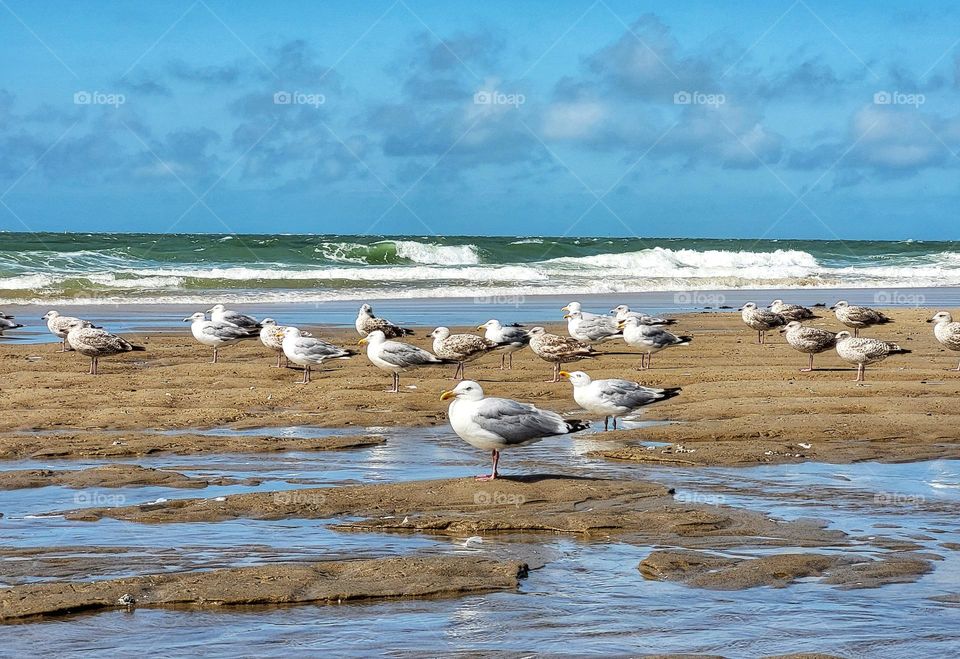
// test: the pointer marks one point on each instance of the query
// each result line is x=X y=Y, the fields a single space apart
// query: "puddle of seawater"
x=589 y=598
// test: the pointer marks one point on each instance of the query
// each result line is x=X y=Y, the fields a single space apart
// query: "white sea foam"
x=436 y=254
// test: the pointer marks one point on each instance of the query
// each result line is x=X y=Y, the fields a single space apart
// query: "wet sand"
x=742 y=403
x=280 y=584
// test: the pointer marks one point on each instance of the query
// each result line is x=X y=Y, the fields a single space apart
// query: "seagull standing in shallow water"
x=614 y=397
x=498 y=423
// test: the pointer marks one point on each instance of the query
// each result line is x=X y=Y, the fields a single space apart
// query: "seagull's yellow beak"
x=479 y=327
x=565 y=316
x=362 y=342
x=447 y=395
x=621 y=325
x=564 y=308
x=564 y=374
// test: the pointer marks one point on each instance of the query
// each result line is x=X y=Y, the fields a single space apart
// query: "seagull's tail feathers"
x=685 y=340
x=137 y=348
x=897 y=350
x=670 y=392
x=576 y=425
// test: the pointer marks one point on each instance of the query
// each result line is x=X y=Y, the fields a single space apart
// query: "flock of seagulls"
x=851 y=348
x=495 y=424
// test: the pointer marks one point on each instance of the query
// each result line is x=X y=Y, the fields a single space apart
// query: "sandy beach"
x=742 y=403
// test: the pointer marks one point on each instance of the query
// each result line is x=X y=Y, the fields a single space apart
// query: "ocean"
x=90 y=268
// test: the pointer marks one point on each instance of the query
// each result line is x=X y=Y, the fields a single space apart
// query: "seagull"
x=219 y=314
x=366 y=323
x=498 y=423
x=397 y=357
x=96 y=343
x=216 y=334
x=576 y=307
x=6 y=315
x=761 y=320
x=613 y=397
x=811 y=340
x=622 y=312
x=59 y=326
x=858 y=317
x=460 y=348
x=271 y=336
x=946 y=331
x=592 y=330
x=308 y=351
x=865 y=351
x=650 y=339
x=558 y=349
x=512 y=338
x=7 y=323
x=792 y=311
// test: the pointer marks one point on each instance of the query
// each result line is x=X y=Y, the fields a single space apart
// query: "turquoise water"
x=182 y=268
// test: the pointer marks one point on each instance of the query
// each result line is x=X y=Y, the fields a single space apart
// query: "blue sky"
x=777 y=119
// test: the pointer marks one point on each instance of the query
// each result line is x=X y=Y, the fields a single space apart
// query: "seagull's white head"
x=375 y=337
x=776 y=303
x=843 y=335
x=50 y=315
x=941 y=317
x=629 y=321
x=291 y=331
x=366 y=309
x=493 y=324
x=573 y=306
x=749 y=305
x=440 y=333
x=577 y=378
x=268 y=321
x=195 y=318
x=792 y=325
x=840 y=305
x=536 y=331
x=217 y=308
x=619 y=309
x=466 y=390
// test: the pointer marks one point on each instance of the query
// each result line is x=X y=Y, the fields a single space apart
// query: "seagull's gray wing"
x=515 y=335
x=629 y=394
x=318 y=349
x=598 y=327
x=241 y=320
x=518 y=423
x=405 y=355
x=226 y=331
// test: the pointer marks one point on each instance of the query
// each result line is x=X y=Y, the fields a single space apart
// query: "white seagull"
x=865 y=351
x=397 y=357
x=622 y=312
x=217 y=334
x=308 y=351
x=947 y=332
x=512 y=338
x=650 y=339
x=614 y=397
x=494 y=424
x=592 y=330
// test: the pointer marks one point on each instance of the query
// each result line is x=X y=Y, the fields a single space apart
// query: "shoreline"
x=428 y=312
